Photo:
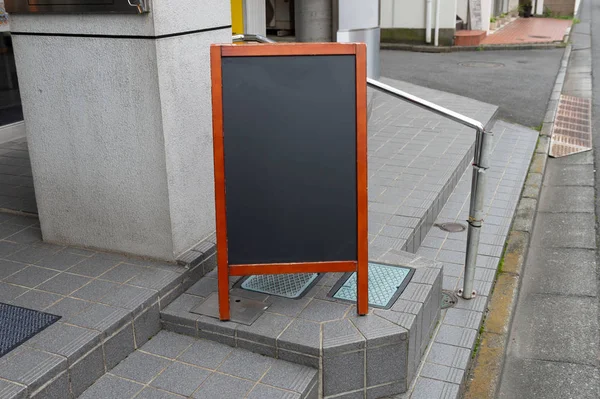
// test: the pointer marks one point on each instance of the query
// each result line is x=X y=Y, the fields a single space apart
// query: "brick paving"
x=530 y=30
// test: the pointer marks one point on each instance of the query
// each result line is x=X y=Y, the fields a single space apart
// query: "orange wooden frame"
x=217 y=51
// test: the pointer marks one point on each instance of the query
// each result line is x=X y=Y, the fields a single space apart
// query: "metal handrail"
x=247 y=37
x=483 y=145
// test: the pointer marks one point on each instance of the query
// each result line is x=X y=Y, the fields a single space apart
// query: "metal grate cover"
x=572 y=130
x=386 y=283
x=285 y=285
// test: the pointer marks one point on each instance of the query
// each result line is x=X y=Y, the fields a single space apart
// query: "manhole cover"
x=572 y=129
x=285 y=285
x=449 y=299
x=451 y=227
x=481 y=64
x=540 y=37
x=386 y=283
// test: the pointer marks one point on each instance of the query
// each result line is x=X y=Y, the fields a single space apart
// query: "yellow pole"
x=237 y=17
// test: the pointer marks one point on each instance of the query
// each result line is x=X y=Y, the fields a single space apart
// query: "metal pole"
x=476 y=212
x=313 y=20
x=481 y=162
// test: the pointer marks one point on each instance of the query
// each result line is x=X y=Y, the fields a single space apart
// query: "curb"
x=454 y=49
x=484 y=377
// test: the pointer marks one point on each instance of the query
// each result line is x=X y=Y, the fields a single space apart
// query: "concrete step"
x=416 y=158
x=374 y=355
x=175 y=366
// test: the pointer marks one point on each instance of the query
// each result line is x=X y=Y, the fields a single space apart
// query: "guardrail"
x=483 y=145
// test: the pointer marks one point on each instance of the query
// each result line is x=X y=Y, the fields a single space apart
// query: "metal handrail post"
x=481 y=161
x=483 y=144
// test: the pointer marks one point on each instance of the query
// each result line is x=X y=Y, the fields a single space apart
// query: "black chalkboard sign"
x=289 y=124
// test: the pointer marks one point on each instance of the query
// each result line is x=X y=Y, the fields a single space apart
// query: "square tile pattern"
x=16 y=179
x=109 y=306
x=198 y=368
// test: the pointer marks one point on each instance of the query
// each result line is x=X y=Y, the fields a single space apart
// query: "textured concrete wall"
x=120 y=129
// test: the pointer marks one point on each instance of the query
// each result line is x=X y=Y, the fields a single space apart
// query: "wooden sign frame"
x=360 y=266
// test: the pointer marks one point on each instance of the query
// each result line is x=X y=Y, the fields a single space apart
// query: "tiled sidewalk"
x=174 y=366
x=415 y=160
x=530 y=30
x=109 y=305
x=443 y=368
x=16 y=181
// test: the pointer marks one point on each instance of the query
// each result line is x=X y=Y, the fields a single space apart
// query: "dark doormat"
x=18 y=324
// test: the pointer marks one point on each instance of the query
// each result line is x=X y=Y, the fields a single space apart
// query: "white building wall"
x=410 y=14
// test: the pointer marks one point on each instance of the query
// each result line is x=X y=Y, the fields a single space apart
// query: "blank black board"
x=289 y=138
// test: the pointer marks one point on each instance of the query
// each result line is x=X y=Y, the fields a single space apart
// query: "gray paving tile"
x=301 y=336
x=33 y=253
x=31 y=276
x=95 y=290
x=94 y=266
x=181 y=378
x=68 y=307
x=31 y=367
x=153 y=393
x=463 y=318
x=146 y=324
x=123 y=273
x=110 y=386
x=61 y=260
x=444 y=373
x=426 y=388
x=57 y=388
x=132 y=298
x=530 y=378
x=141 y=367
x=387 y=364
x=292 y=377
x=223 y=387
x=38 y=300
x=101 y=317
x=319 y=311
x=457 y=336
x=64 y=283
x=29 y=235
x=65 y=340
x=206 y=354
x=448 y=355
x=566 y=271
x=341 y=336
x=178 y=312
x=287 y=307
x=265 y=329
x=343 y=373
x=11 y=390
x=86 y=371
x=9 y=267
x=9 y=292
x=118 y=346
x=261 y=391
x=156 y=279
x=168 y=344
x=244 y=364
x=559 y=328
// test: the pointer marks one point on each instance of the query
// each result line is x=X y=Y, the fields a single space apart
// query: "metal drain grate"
x=449 y=299
x=386 y=283
x=285 y=285
x=572 y=131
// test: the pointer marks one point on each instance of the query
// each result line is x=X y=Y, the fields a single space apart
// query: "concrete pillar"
x=313 y=20
x=118 y=118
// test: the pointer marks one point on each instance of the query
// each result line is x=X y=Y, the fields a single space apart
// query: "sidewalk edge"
x=486 y=371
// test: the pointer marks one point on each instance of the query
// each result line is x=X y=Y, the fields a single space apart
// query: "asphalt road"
x=519 y=82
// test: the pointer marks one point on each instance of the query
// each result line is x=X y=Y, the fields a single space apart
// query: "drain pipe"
x=428 y=22
x=437 y=22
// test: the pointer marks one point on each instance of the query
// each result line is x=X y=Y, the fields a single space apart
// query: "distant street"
x=520 y=82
